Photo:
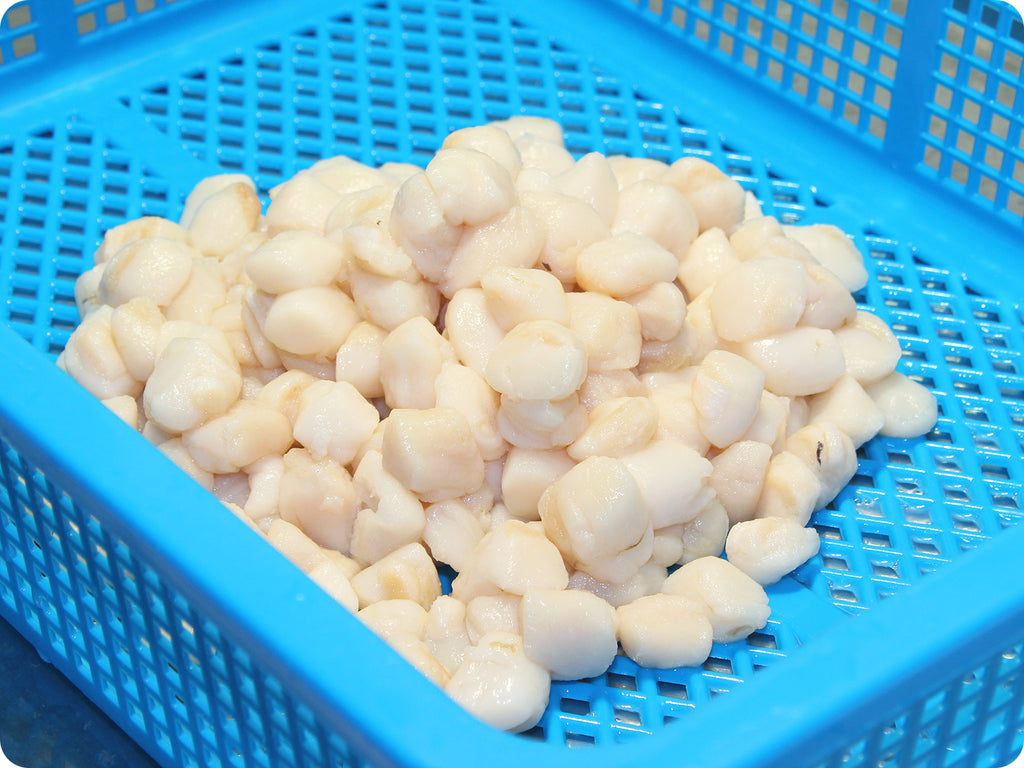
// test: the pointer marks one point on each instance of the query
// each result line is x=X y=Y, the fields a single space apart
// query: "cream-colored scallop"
x=460 y=387
x=155 y=267
x=222 y=220
x=672 y=479
x=302 y=202
x=769 y=548
x=411 y=358
x=513 y=558
x=657 y=211
x=418 y=224
x=472 y=329
x=407 y=573
x=569 y=226
x=606 y=385
x=247 y=432
x=334 y=420
x=760 y=297
x=541 y=423
x=294 y=259
x=610 y=330
x=491 y=141
x=445 y=633
x=191 y=383
x=678 y=419
x=910 y=408
x=661 y=309
x=319 y=497
x=726 y=393
x=771 y=420
x=390 y=515
x=387 y=302
x=791 y=489
x=472 y=188
x=431 y=451
x=492 y=613
x=629 y=170
x=716 y=199
x=704 y=535
x=870 y=348
x=311 y=322
x=735 y=604
x=847 y=405
x=358 y=360
x=570 y=632
x=834 y=250
x=829 y=304
x=591 y=514
x=591 y=180
x=516 y=294
x=829 y=452
x=803 y=361
x=538 y=360
x=92 y=358
x=527 y=474
x=663 y=631
x=738 y=475
x=624 y=264
x=499 y=684
x=115 y=238
x=511 y=239
x=708 y=258
x=617 y=427
x=747 y=237
x=203 y=293
x=451 y=532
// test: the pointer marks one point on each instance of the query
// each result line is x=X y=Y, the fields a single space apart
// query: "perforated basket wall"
x=901 y=644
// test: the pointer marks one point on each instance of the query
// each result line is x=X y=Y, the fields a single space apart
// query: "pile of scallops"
x=575 y=382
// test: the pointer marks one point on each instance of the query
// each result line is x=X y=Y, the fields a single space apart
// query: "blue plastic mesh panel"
x=388 y=81
x=118 y=629
x=913 y=506
x=973 y=721
x=61 y=187
x=629 y=701
x=113 y=625
x=838 y=57
x=976 y=106
x=18 y=34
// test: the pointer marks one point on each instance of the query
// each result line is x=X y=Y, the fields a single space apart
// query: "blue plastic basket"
x=901 y=644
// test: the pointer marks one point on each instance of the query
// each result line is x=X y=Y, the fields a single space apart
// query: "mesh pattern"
x=629 y=701
x=942 y=728
x=838 y=57
x=18 y=33
x=431 y=67
x=108 y=620
x=61 y=187
x=113 y=624
x=913 y=506
x=975 y=111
